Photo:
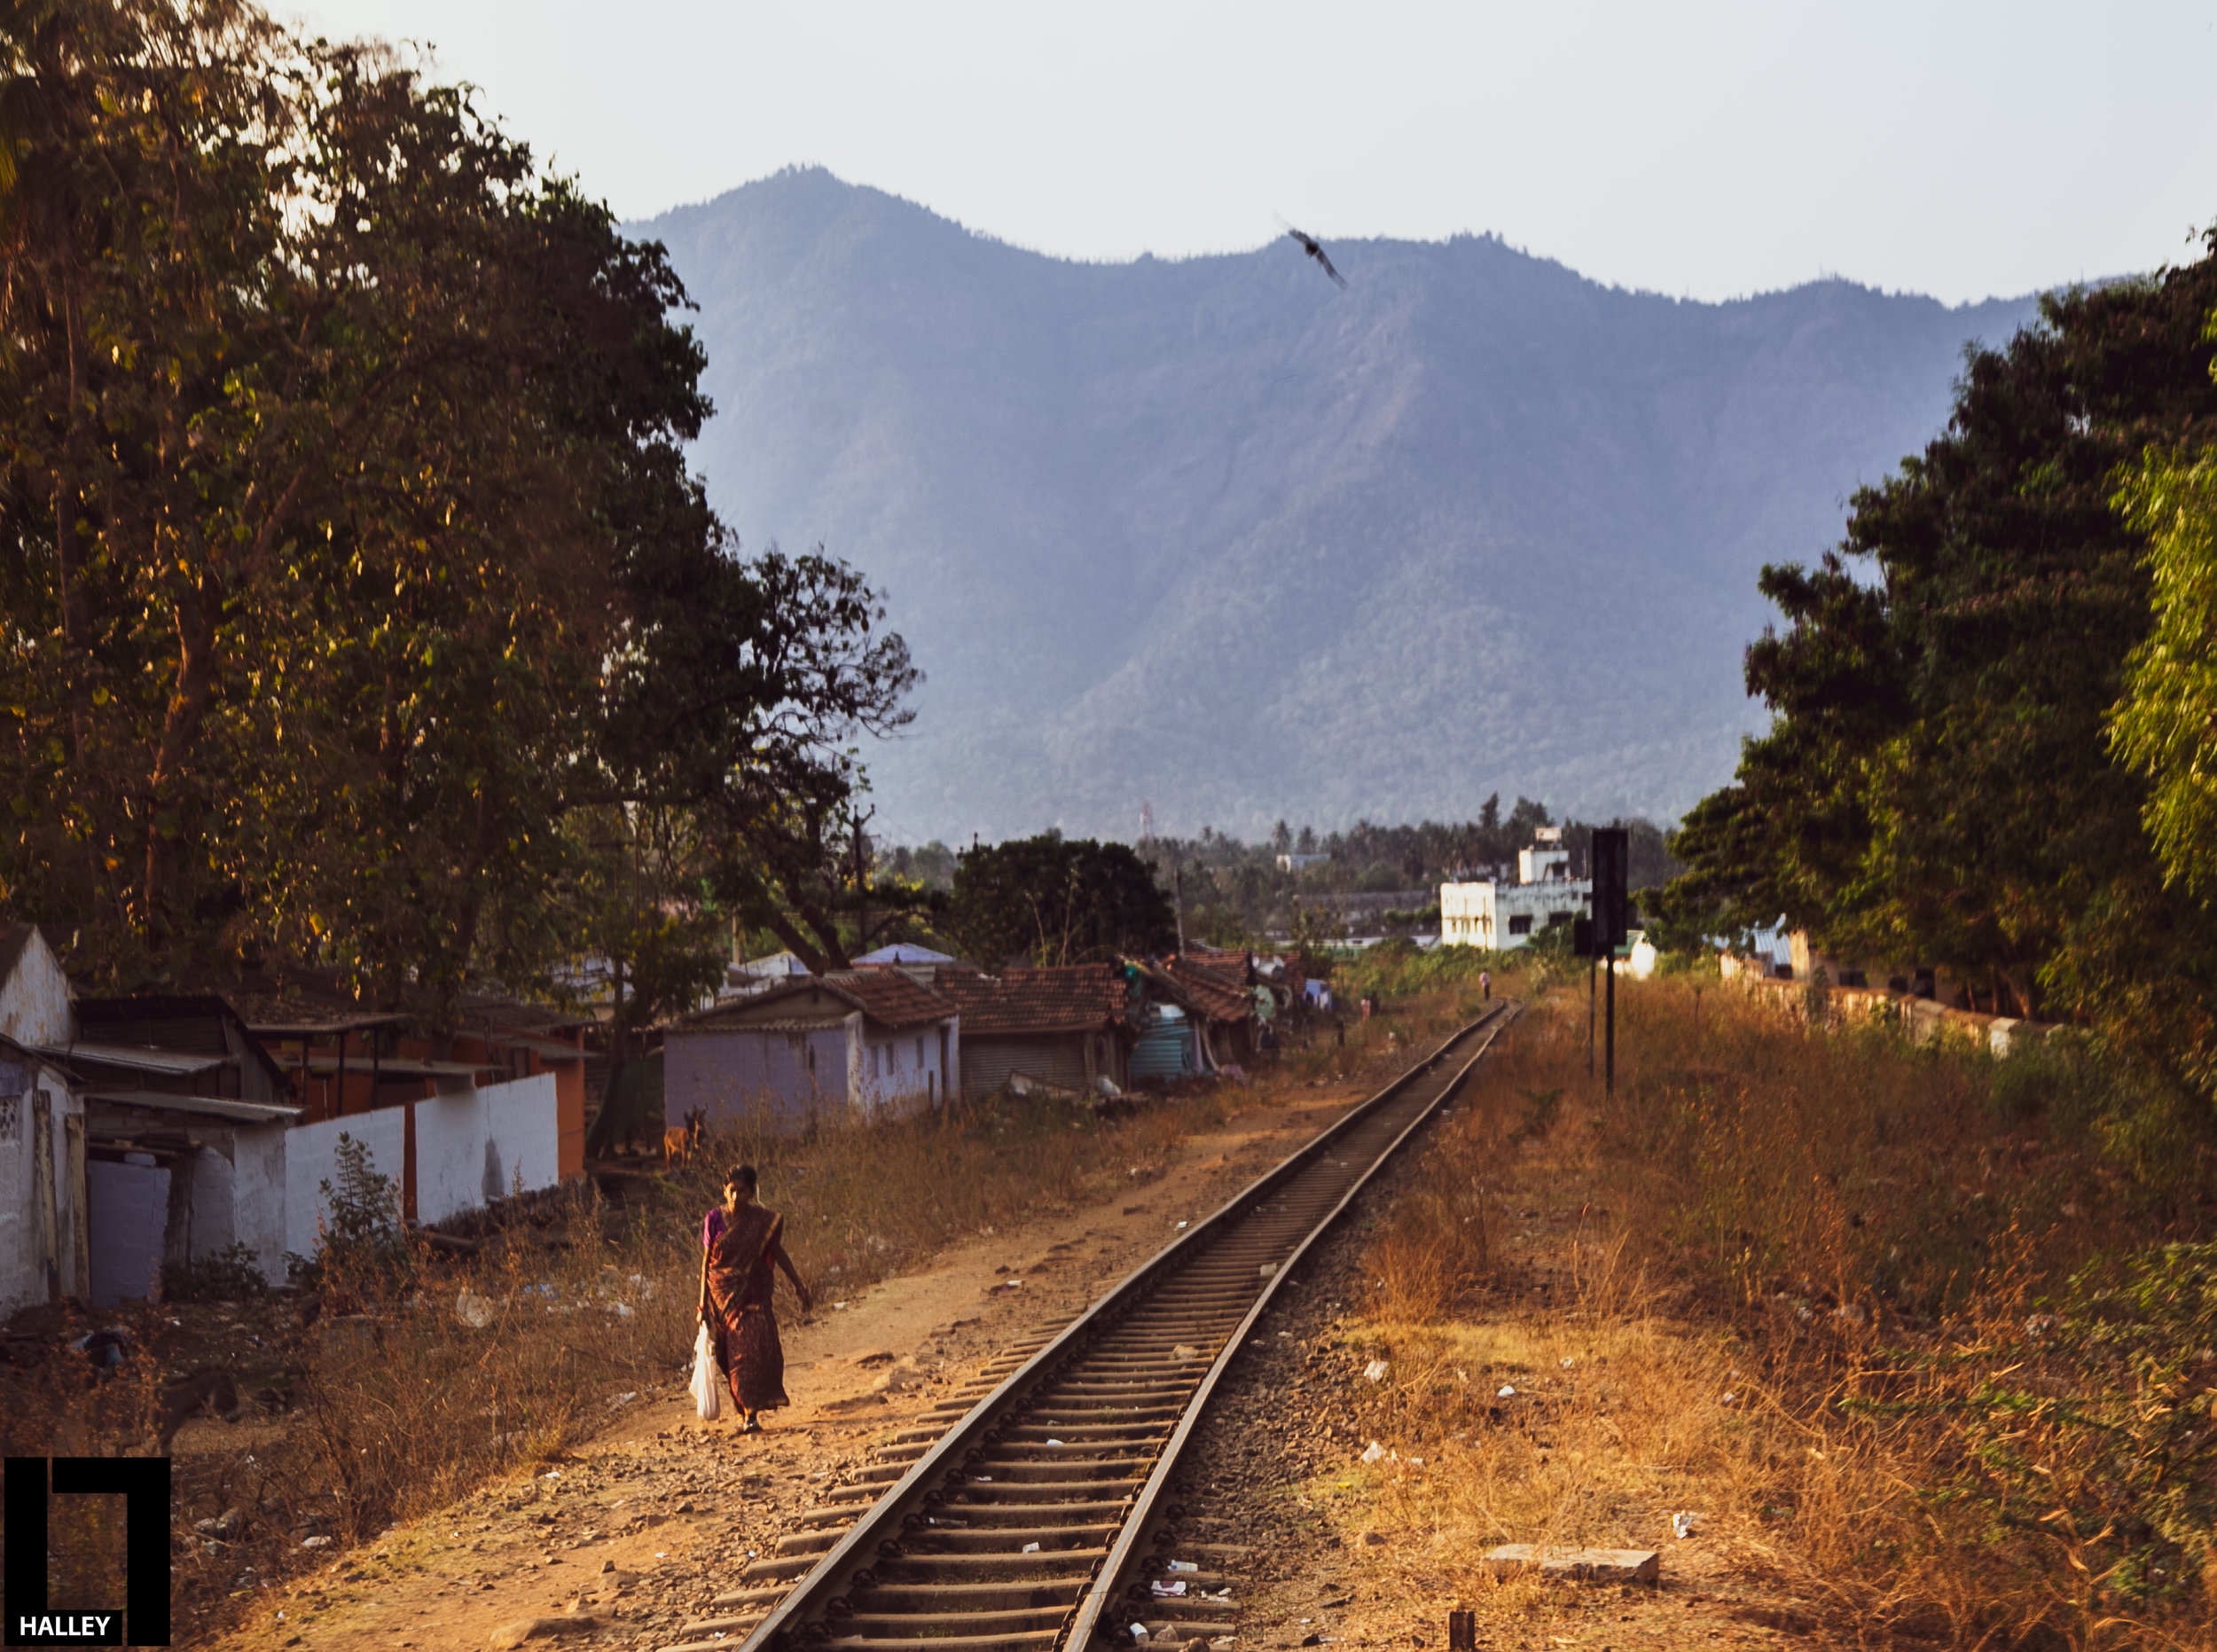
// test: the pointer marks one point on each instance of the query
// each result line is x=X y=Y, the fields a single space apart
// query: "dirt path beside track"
x=638 y=1528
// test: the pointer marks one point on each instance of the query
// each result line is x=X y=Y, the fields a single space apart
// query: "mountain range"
x=1216 y=534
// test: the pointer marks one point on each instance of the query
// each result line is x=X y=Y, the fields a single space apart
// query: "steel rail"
x=1113 y=1574
x=1007 y=1612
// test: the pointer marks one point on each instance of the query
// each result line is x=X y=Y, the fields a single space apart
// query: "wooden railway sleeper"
x=1028 y=1594
x=994 y=1539
x=915 y=1567
x=938 y=1641
x=1122 y=1360
x=870 y=1625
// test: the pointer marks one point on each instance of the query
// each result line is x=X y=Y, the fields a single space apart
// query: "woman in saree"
x=741 y=1241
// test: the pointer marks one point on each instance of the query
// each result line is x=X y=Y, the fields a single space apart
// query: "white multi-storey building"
x=1501 y=916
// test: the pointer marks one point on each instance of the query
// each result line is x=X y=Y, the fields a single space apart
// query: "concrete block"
x=1576 y=1565
x=516 y=1634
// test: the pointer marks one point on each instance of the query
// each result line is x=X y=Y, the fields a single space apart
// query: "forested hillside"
x=1215 y=534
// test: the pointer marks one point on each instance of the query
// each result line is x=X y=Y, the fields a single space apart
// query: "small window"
x=1555 y=918
x=919 y=1055
x=1521 y=924
x=10 y=1118
x=876 y=1056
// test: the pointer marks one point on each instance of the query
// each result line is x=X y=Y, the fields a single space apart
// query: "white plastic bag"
x=707 y=1378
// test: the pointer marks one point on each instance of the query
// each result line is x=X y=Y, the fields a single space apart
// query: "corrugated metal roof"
x=905 y=952
x=138 y=1058
x=197 y=1107
x=398 y=1066
x=305 y=1022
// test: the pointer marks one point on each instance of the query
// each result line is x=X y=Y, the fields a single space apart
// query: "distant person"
x=740 y=1241
x=1485 y=985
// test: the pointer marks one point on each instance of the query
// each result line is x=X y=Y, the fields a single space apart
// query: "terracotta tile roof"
x=889 y=998
x=1072 y=998
x=1218 y=986
x=886 y=996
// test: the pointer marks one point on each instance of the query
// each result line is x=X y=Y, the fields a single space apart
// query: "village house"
x=171 y=1129
x=859 y=1044
x=45 y=1230
x=1070 y=1026
x=1501 y=917
x=187 y=1119
x=1217 y=989
x=1195 y=1016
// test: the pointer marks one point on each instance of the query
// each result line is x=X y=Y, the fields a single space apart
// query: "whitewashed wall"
x=257 y=1193
x=22 y=1257
x=743 y=1075
x=450 y=1155
x=900 y=1073
x=210 y=1213
x=22 y=1269
x=523 y=1133
x=34 y=997
x=312 y=1158
x=472 y=1147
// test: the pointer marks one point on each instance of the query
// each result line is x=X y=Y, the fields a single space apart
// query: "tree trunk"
x=820 y=962
x=197 y=619
x=67 y=503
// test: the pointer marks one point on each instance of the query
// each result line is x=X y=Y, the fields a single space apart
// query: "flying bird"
x=1309 y=245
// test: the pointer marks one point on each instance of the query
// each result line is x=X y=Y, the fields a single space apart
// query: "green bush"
x=361 y=1242
x=1397 y=969
x=2098 y=1431
x=227 y=1275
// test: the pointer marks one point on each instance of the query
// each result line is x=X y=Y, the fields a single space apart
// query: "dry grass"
x=862 y=1204
x=399 y=1406
x=1812 y=1288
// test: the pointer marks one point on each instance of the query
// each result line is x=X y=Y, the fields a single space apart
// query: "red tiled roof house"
x=1068 y=1025
x=862 y=1044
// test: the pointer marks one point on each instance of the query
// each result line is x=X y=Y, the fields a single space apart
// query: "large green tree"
x=1055 y=900
x=2166 y=724
x=1936 y=786
x=353 y=569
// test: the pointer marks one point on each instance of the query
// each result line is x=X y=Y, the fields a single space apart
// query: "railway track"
x=1030 y=1512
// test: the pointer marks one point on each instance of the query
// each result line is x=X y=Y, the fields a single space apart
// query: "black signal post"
x=1582 y=946
x=1611 y=858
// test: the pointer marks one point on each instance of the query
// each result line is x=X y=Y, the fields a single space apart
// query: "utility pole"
x=862 y=880
x=1178 y=896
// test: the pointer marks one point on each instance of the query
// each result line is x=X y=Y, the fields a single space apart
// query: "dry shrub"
x=400 y=1404
x=860 y=1204
x=1923 y=1355
x=1428 y=1259
x=66 y=1406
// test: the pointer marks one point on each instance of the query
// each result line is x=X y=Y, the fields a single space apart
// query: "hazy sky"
x=1962 y=150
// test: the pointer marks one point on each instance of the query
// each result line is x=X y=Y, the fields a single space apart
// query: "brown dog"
x=679 y=1144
